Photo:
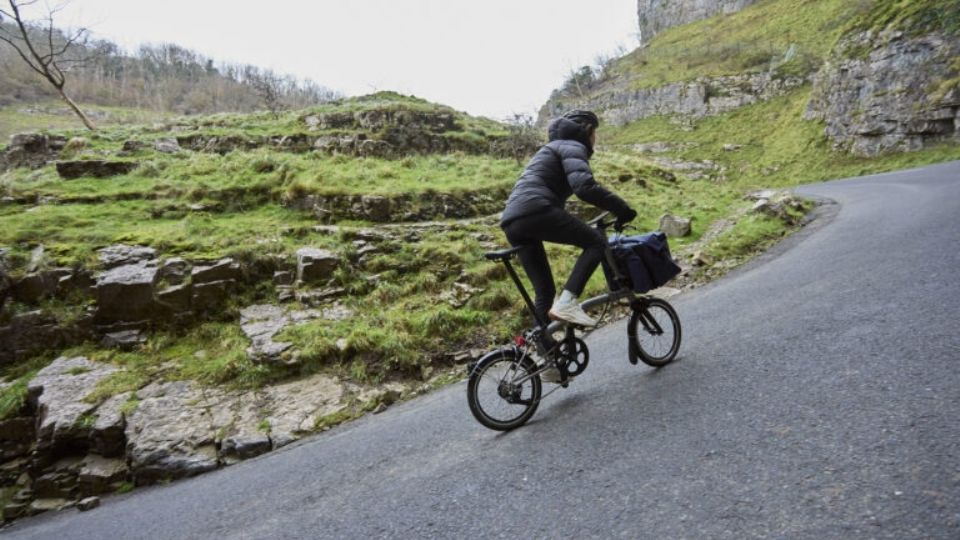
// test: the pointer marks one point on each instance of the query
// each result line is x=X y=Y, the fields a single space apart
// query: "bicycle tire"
x=650 y=333
x=488 y=392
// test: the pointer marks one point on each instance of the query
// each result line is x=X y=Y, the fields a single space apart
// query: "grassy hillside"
x=206 y=205
x=54 y=115
x=752 y=40
x=777 y=148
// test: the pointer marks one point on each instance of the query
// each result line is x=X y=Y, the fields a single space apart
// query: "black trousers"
x=557 y=226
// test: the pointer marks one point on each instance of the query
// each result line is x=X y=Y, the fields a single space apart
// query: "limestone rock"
x=283 y=277
x=56 y=484
x=208 y=296
x=122 y=254
x=107 y=436
x=88 y=504
x=312 y=122
x=170 y=434
x=700 y=258
x=98 y=474
x=34 y=331
x=31 y=150
x=178 y=298
x=39 y=285
x=294 y=408
x=131 y=146
x=167 y=146
x=320 y=297
x=657 y=15
x=887 y=99
x=621 y=102
x=460 y=294
x=126 y=294
x=57 y=392
x=675 y=227
x=14 y=510
x=242 y=429
x=125 y=340
x=75 y=144
x=222 y=270
x=16 y=436
x=97 y=168
x=173 y=271
x=315 y=265
x=261 y=322
x=45 y=505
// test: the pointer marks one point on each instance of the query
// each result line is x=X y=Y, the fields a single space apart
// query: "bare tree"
x=44 y=49
x=269 y=88
x=523 y=138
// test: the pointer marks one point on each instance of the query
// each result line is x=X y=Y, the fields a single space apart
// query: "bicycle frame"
x=608 y=262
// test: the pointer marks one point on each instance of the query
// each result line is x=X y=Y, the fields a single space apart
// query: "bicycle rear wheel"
x=654 y=332
x=504 y=390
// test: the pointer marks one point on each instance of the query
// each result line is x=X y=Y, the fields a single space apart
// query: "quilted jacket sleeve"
x=575 y=166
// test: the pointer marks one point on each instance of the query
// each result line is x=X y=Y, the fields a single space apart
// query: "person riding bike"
x=535 y=213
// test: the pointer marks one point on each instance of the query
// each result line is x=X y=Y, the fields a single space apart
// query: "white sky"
x=485 y=57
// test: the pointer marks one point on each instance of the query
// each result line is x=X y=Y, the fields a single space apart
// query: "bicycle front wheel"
x=504 y=389
x=654 y=332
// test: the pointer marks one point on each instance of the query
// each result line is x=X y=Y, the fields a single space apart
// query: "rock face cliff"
x=889 y=92
x=618 y=103
x=657 y=15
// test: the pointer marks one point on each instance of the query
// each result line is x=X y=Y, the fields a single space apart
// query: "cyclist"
x=535 y=214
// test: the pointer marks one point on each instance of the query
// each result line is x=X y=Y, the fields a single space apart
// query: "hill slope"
x=799 y=84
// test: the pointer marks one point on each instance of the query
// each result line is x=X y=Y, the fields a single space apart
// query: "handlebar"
x=601 y=223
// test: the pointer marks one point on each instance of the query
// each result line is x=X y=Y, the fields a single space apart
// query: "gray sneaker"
x=571 y=312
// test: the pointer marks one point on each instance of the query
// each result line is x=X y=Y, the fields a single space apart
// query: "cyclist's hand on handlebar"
x=625 y=218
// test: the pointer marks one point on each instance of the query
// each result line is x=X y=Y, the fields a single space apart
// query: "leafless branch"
x=45 y=64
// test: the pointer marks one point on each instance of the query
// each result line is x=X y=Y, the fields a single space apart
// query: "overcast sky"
x=486 y=57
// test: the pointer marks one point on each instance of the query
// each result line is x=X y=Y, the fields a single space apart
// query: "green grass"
x=71 y=234
x=780 y=149
x=752 y=40
x=914 y=17
x=13 y=397
x=55 y=116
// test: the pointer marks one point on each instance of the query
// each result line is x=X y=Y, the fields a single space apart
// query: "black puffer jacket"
x=560 y=169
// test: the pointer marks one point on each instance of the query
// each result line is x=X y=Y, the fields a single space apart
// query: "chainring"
x=574 y=352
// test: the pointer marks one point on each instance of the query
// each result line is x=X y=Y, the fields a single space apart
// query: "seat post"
x=523 y=292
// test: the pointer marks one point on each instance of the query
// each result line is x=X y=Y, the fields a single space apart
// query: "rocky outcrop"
x=618 y=102
x=393 y=141
x=122 y=254
x=64 y=420
x=657 y=15
x=34 y=331
x=398 y=208
x=63 y=448
x=316 y=266
x=674 y=226
x=97 y=168
x=887 y=92
x=125 y=294
x=31 y=150
x=168 y=435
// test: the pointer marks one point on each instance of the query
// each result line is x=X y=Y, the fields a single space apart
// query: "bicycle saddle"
x=502 y=254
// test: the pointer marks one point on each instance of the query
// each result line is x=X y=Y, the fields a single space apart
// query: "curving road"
x=817 y=395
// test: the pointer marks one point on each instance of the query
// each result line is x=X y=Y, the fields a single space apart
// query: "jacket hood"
x=564 y=129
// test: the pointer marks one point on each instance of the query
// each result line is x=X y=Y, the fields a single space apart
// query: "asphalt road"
x=817 y=395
